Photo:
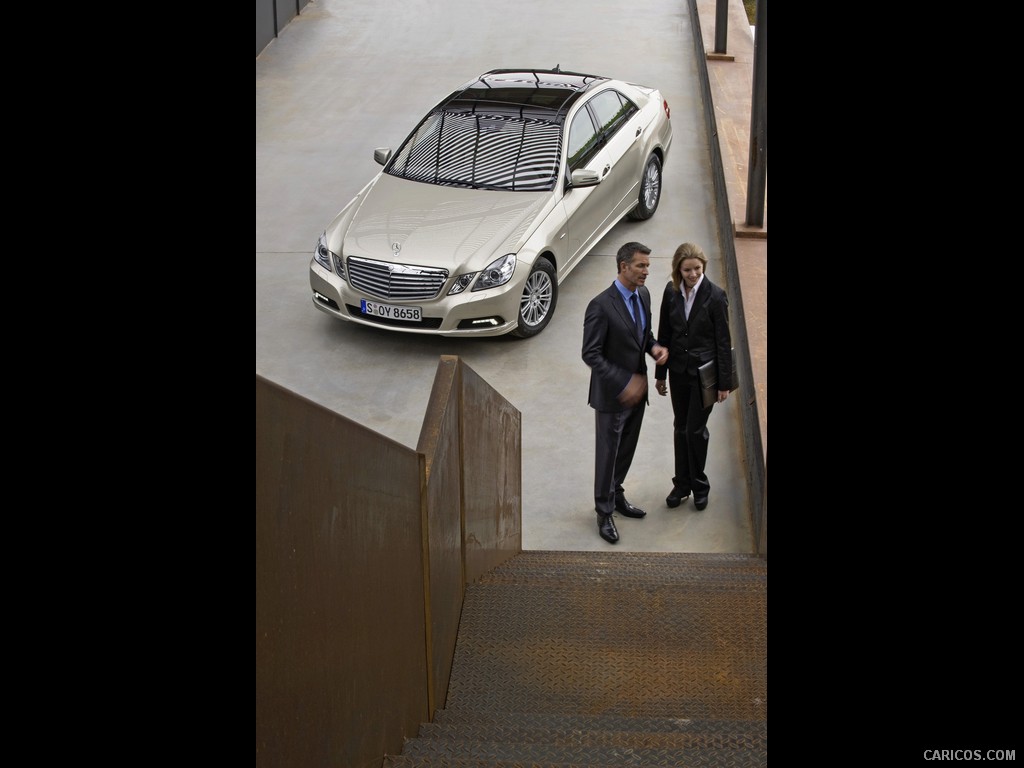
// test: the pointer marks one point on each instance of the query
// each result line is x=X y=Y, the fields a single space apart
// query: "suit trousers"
x=690 y=434
x=617 y=437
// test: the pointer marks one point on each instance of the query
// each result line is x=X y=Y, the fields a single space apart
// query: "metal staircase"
x=606 y=659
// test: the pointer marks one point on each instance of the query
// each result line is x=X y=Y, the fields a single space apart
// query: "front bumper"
x=493 y=312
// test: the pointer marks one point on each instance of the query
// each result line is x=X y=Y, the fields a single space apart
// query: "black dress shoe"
x=626 y=509
x=676 y=498
x=606 y=527
x=700 y=502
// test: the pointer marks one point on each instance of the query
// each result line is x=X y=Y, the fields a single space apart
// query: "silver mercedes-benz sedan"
x=487 y=206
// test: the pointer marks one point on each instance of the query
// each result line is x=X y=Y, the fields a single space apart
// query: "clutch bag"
x=708 y=374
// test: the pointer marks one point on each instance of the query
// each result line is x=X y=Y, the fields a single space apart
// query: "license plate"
x=391 y=311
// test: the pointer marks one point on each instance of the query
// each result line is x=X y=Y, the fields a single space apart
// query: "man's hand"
x=660 y=354
x=635 y=391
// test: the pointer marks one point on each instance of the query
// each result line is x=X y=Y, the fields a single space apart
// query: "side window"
x=583 y=140
x=612 y=111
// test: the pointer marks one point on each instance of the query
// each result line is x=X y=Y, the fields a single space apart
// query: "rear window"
x=481 y=152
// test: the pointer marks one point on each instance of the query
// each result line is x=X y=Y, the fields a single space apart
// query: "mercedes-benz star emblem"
x=396 y=247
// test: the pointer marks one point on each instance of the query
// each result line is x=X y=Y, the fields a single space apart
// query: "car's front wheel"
x=650 y=190
x=537 y=304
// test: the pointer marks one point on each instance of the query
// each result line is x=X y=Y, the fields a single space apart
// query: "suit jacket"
x=611 y=347
x=705 y=336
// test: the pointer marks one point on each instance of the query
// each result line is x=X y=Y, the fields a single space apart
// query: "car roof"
x=539 y=94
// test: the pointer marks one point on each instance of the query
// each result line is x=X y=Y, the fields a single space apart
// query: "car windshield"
x=481 y=151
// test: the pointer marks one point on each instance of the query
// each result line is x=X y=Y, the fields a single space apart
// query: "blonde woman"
x=694 y=325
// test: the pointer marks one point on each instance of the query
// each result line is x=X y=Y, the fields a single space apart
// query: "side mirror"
x=382 y=154
x=584 y=177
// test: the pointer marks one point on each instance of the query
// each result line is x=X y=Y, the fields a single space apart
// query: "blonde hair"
x=683 y=252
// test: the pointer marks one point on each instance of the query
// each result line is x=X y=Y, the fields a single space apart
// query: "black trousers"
x=690 y=434
x=617 y=436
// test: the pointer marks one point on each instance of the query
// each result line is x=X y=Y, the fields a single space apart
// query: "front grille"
x=395 y=281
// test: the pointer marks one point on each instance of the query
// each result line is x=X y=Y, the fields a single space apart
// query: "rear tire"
x=537 y=304
x=650 y=191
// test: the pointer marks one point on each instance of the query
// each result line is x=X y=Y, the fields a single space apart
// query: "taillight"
x=668 y=112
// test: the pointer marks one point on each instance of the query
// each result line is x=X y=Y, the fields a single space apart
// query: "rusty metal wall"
x=492 y=465
x=363 y=550
x=474 y=503
x=341 y=673
x=439 y=444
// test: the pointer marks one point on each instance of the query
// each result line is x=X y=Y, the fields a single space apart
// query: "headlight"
x=498 y=272
x=462 y=283
x=323 y=254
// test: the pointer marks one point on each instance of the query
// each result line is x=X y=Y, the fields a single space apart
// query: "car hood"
x=447 y=227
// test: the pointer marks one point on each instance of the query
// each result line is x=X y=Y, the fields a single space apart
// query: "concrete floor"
x=342 y=79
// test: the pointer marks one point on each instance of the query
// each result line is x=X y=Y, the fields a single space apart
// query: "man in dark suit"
x=616 y=336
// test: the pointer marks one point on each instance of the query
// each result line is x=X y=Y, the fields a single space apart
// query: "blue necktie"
x=636 y=316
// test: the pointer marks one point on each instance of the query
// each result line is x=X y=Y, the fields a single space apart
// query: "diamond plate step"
x=595 y=659
x=531 y=754
x=630 y=567
x=663 y=651
x=677 y=560
x=694 y=761
x=665 y=725
x=595 y=737
x=684 y=761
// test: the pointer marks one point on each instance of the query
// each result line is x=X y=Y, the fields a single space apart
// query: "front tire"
x=537 y=304
x=650 y=191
